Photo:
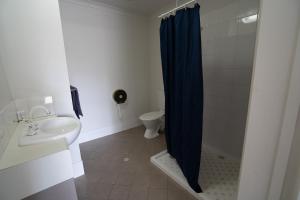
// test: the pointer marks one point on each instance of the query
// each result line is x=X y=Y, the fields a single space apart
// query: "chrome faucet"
x=32 y=129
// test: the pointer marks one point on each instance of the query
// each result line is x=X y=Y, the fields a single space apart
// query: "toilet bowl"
x=152 y=123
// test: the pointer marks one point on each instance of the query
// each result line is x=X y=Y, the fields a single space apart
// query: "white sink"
x=52 y=128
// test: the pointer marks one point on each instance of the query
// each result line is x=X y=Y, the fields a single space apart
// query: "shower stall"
x=228 y=34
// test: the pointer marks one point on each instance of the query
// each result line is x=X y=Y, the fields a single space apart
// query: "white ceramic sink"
x=52 y=128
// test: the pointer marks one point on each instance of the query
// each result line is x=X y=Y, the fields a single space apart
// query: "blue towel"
x=76 y=102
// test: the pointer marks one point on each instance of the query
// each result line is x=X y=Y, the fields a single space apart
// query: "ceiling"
x=148 y=7
x=145 y=7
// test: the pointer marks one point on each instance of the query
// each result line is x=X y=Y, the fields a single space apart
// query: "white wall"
x=33 y=56
x=32 y=51
x=7 y=112
x=227 y=51
x=5 y=95
x=106 y=50
x=288 y=127
x=156 y=79
x=275 y=50
x=291 y=189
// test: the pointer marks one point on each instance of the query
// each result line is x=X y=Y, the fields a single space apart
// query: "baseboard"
x=102 y=132
x=78 y=169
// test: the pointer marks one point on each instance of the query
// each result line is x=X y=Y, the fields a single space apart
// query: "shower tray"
x=218 y=174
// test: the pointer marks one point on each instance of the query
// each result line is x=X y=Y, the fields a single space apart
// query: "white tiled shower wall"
x=228 y=51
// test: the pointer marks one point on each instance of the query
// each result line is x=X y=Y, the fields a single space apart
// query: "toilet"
x=152 y=122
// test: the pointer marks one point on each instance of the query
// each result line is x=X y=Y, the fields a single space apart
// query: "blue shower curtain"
x=180 y=38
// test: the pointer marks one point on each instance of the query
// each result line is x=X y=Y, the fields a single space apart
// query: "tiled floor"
x=118 y=168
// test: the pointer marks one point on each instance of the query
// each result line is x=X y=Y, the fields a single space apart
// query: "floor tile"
x=119 y=193
x=83 y=186
x=125 y=178
x=138 y=193
x=100 y=191
x=108 y=176
x=118 y=167
x=176 y=192
x=157 y=194
x=141 y=179
x=158 y=180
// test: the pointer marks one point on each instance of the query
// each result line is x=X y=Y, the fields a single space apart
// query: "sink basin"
x=51 y=129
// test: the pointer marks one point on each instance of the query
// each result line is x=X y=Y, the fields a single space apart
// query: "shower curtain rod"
x=178 y=7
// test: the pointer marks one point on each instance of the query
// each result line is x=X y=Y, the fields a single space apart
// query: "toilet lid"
x=152 y=115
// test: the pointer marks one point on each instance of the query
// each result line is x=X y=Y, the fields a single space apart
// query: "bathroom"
x=102 y=47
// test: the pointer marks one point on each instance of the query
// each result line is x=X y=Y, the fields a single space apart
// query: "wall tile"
x=248 y=7
x=228 y=51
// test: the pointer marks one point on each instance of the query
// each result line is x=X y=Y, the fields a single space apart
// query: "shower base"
x=218 y=174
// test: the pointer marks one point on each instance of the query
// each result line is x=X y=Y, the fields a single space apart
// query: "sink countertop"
x=15 y=154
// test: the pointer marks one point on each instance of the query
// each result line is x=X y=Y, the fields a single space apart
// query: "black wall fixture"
x=120 y=96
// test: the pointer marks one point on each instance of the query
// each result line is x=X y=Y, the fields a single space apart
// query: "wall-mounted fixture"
x=120 y=97
x=48 y=100
x=249 y=19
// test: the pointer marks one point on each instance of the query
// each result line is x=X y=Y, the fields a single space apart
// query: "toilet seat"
x=152 y=115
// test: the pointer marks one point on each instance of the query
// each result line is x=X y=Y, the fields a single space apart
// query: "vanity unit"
x=28 y=169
